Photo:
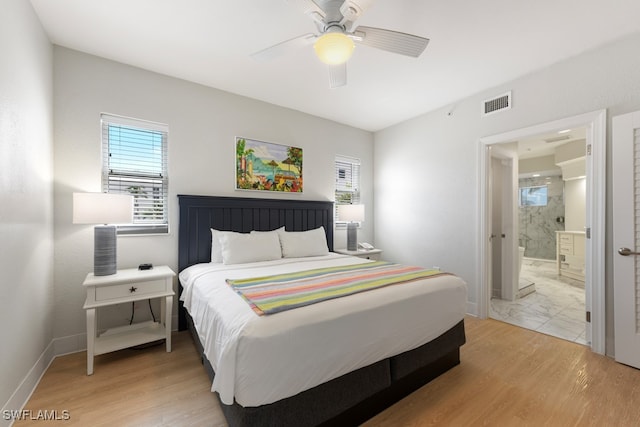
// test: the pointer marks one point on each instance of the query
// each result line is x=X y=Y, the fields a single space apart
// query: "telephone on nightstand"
x=366 y=246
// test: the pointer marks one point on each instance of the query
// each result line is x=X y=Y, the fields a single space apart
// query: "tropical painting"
x=268 y=167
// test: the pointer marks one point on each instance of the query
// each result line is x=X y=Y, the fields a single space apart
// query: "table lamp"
x=107 y=209
x=352 y=214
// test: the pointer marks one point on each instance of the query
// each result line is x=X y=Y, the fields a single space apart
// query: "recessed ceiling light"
x=557 y=138
x=564 y=131
x=535 y=175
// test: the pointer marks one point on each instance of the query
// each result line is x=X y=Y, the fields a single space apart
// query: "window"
x=533 y=196
x=347 y=172
x=134 y=161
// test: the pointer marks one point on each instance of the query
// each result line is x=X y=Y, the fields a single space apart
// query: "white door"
x=496 y=228
x=509 y=235
x=626 y=237
x=505 y=175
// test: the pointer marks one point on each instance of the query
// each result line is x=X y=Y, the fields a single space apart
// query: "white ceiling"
x=546 y=144
x=475 y=45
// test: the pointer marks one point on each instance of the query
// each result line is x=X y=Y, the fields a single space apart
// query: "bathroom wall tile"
x=538 y=224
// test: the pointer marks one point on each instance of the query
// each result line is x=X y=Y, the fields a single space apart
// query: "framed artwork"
x=265 y=166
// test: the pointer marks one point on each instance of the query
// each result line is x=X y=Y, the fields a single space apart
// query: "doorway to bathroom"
x=535 y=268
x=548 y=197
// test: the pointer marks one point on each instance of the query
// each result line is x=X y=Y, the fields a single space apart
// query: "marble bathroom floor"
x=557 y=307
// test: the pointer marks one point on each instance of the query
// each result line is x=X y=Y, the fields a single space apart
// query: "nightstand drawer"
x=126 y=290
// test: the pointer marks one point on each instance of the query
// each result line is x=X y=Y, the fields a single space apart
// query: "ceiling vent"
x=499 y=103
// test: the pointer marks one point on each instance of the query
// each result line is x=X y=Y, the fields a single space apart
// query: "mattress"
x=262 y=359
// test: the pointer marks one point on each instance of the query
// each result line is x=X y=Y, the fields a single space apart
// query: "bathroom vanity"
x=570 y=254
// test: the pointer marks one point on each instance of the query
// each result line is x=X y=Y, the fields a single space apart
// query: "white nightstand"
x=127 y=286
x=373 y=254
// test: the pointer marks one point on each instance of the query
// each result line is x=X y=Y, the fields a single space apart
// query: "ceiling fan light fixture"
x=334 y=48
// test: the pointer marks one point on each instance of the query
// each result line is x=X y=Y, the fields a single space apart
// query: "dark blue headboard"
x=198 y=214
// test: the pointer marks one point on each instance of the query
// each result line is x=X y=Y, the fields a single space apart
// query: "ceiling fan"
x=336 y=37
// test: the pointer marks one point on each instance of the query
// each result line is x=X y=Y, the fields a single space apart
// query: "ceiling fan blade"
x=391 y=41
x=284 y=47
x=337 y=75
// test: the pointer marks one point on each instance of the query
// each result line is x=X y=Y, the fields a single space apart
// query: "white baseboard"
x=69 y=344
x=22 y=394
x=472 y=308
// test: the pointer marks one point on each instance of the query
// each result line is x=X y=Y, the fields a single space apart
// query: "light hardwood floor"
x=147 y=387
x=508 y=376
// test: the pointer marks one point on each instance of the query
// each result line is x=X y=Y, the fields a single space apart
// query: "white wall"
x=26 y=205
x=538 y=164
x=203 y=123
x=429 y=165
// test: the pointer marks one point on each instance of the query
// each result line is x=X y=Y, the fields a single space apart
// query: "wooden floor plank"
x=508 y=376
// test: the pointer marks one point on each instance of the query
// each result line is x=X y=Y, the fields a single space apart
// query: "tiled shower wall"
x=538 y=224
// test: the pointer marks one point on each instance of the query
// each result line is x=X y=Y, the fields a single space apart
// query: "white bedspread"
x=262 y=359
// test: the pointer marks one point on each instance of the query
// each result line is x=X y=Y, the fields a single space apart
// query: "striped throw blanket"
x=272 y=294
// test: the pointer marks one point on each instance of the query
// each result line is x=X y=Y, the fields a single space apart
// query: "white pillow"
x=303 y=243
x=240 y=248
x=277 y=230
x=216 y=249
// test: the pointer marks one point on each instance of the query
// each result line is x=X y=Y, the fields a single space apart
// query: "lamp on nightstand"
x=352 y=214
x=107 y=209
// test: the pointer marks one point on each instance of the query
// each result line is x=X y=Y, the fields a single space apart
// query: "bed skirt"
x=355 y=397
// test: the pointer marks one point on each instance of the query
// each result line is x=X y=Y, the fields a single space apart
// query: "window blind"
x=347 y=189
x=135 y=162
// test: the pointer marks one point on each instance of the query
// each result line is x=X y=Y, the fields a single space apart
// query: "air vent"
x=499 y=103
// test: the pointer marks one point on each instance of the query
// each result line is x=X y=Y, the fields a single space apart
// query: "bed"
x=295 y=368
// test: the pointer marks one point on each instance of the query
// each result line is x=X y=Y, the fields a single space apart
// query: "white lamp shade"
x=334 y=48
x=352 y=213
x=102 y=208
